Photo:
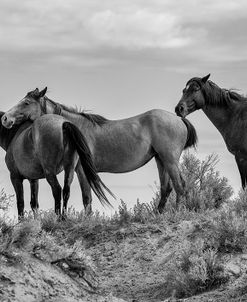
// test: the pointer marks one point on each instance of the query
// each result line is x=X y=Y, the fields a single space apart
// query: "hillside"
x=97 y=260
x=196 y=252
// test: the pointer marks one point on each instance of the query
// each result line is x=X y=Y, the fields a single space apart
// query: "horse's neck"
x=219 y=116
x=6 y=136
x=2 y=138
x=84 y=124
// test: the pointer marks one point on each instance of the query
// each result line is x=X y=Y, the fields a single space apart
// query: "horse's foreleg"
x=18 y=186
x=34 y=187
x=165 y=186
x=85 y=189
x=56 y=191
x=242 y=167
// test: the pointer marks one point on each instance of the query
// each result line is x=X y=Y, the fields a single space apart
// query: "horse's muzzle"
x=7 y=122
x=179 y=109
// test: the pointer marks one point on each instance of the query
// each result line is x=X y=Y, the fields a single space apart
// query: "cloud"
x=136 y=30
x=177 y=33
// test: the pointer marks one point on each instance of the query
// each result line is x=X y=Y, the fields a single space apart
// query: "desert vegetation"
x=197 y=251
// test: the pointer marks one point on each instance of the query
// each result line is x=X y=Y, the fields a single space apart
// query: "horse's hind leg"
x=85 y=189
x=34 y=186
x=177 y=179
x=56 y=190
x=165 y=185
x=69 y=168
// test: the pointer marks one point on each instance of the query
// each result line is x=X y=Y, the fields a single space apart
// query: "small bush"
x=206 y=189
x=193 y=270
x=49 y=221
x=25 y=233
x=141 y=212
x=124 y=215
x=228 y=232
x=5 y=200
x=239 y=204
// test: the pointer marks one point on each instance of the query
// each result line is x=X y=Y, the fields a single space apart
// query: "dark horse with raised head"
x=226 y=109
x=43 y=149
x=120 y=146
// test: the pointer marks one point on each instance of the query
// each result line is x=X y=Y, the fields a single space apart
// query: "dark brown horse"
x=226 y=109
x=120 y=146
x=42 y=150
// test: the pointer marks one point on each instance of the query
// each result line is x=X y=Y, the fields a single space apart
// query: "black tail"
x=78 y=141
x=191 y=136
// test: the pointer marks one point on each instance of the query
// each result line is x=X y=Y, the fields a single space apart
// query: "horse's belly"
x=121 y=162
x=30 y=169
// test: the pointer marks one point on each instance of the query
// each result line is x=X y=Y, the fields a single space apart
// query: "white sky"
x=120 y=58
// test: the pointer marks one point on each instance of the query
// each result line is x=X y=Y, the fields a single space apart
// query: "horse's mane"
x=216 y=96
x=96 y=119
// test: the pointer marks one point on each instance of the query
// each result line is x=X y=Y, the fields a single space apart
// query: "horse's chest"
x=236 y=145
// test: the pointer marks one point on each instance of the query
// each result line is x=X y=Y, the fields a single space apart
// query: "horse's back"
x=163 y=116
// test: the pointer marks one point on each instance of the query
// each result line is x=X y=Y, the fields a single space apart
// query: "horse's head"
x=193 y=97
x=29 y=108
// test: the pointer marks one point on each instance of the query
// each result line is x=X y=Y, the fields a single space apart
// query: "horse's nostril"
x=5 y=118
x=179 y=109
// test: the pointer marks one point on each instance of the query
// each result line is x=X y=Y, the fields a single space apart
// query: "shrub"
x=228 y=232
x=5 y=200
x=205 y=188
x=239 y=204
x=141 y=212
x=49 y=221
x=193 y=270
x=25 y=233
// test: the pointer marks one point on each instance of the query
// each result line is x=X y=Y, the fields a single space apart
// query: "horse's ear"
x=204 y=79
x=42 y=92
x=36 y=91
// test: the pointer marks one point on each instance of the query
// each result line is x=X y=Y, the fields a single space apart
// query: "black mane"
x=96 y=119
x=216 y=96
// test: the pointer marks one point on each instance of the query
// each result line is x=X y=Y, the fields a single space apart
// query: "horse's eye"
x=26 y=103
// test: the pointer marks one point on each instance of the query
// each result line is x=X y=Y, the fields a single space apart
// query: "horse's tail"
x=78 y=141
x=191 y=135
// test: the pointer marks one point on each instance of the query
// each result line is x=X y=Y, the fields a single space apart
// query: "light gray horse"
x=120 y=146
